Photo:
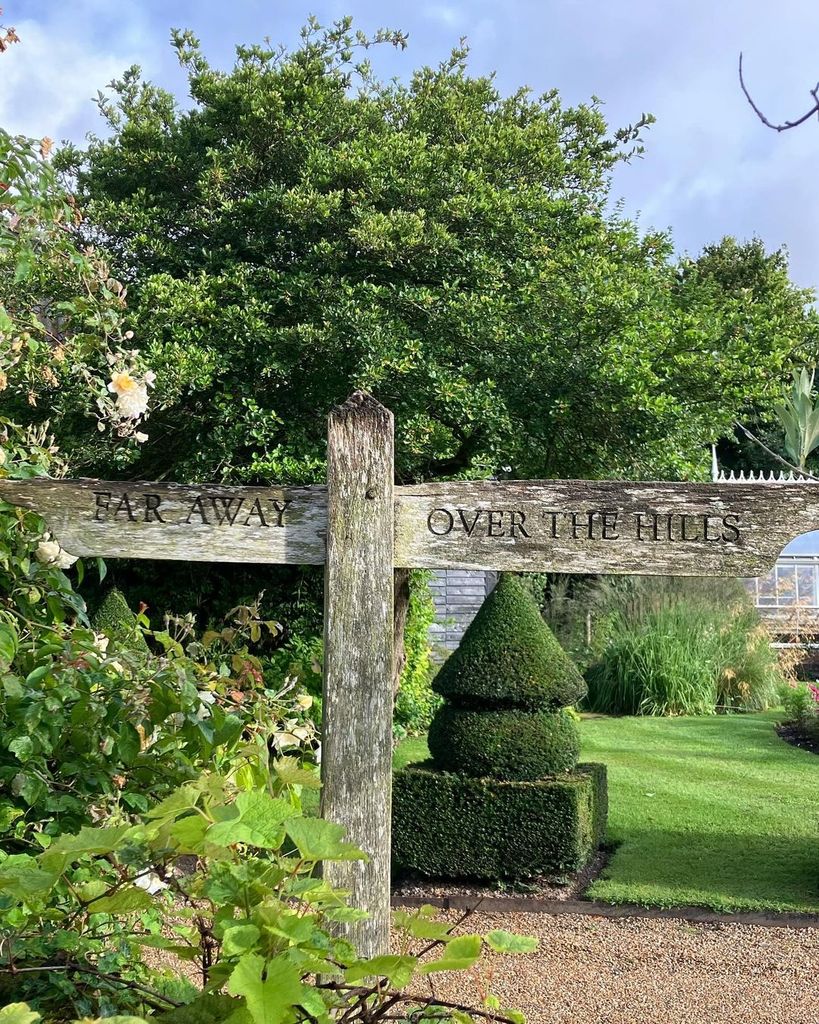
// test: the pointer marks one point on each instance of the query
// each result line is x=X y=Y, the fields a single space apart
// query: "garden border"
x=591 y=908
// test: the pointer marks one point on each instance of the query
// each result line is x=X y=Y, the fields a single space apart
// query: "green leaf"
x=18 y=1013
x=8 y=814
x=291 y=773
x=259 y=823
x=124 y=901
x=317 y=839
x=96 y=841
x=119 y=1019
x=459 y=954
x=507 y=942
x=22 y=747
x=397 y=969
x=240 y=939
x=271 y=988
x=422 y=924
x=22 y=877
x=8 y=646
x=37 y=674
x=189 y=833
x=208 y=1009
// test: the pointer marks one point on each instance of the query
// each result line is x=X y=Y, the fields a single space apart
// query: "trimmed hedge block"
x=509 y=656
x=504 y=743
x=451 y=826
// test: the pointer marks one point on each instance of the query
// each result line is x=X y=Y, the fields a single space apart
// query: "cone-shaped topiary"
x=509 y=656
x=511 y=801
x=116 y=620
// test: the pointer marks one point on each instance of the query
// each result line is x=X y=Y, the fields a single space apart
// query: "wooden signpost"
x=361 y=528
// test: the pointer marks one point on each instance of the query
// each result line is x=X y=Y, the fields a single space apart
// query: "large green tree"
x=302 y=229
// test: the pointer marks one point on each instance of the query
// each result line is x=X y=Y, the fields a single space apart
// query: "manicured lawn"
x=716 y=812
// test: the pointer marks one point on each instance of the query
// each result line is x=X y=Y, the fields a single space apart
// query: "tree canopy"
x=303 y=229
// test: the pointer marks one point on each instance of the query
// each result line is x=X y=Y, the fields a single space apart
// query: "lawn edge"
x=591 y=908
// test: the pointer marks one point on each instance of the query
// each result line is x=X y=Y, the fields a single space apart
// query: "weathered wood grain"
x=358 y=657
x=552 y=525
x=207 y=522
x=583 y=526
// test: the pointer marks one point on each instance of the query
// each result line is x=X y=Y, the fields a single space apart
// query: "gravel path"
x=592 y=970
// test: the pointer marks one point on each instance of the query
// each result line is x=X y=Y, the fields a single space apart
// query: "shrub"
x=115 y=620
x=458 y=826
x=800 y=701
x=509 y=657
x=253 y=914
x=501 y=798
x=684 y=658
x=506 y=743
x=416 y=702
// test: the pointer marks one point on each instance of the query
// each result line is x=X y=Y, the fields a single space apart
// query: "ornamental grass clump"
x=503 y=795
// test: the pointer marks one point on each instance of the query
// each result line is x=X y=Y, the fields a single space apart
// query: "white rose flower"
x=132 y=393
x=151 y=883
x=49 y=552
x=134 y=403
x=101 y=642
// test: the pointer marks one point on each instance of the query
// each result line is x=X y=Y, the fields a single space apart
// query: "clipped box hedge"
x=447 y=825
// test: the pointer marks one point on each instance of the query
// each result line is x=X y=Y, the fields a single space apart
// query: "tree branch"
x=795 y=469
x=786 y=125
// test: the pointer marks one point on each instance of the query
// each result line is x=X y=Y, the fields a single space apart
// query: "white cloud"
x=48 y=80
x=445 y=14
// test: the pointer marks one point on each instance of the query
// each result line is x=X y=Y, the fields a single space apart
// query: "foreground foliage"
x=251 y=916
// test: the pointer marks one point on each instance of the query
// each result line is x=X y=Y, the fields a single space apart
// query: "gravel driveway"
x=592 y=970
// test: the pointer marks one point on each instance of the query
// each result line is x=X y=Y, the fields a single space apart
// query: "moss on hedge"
x=509 y=656
x=504 y=743
x=459 y=827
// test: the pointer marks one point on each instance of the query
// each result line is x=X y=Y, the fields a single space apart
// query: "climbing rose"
x=49 y=552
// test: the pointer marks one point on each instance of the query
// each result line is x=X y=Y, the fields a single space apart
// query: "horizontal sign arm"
x=577 y=526
x=203 y=523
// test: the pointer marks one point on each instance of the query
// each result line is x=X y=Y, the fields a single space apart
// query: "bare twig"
x=785 y=125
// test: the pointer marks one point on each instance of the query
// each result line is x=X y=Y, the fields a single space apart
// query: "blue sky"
x=710 y=167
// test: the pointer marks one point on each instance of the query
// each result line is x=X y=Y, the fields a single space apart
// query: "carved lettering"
x=280 y=507
x=469 y=528
x=495 y=528
x=226 y=509
x=103 y=501
x=152 y=503
x=730 y=532
x=442 y=517
x=197 y=508
x=516 y=522
x=609 y=521
x=126 y=507
x=706 y=519
x=683 y=534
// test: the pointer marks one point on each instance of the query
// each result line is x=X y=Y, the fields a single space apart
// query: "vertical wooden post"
x=358 y=656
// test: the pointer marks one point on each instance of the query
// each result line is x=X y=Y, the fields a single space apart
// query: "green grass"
x=714 y=812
